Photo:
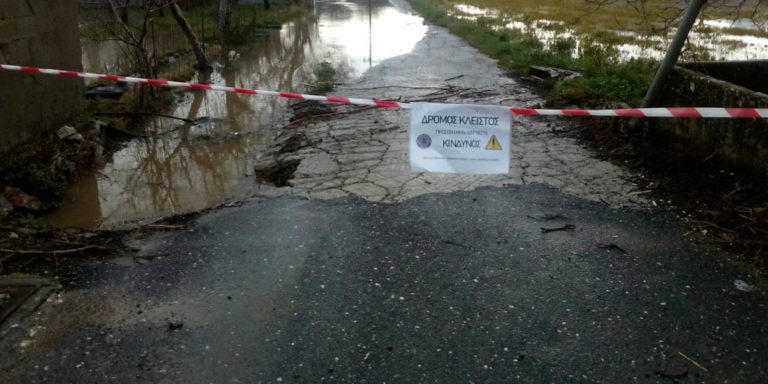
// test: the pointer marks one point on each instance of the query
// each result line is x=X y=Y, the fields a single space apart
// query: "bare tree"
x=197 y=47
x=224 y=20
x=136 y=38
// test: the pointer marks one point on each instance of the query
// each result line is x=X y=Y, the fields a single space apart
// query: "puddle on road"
x=183 y=169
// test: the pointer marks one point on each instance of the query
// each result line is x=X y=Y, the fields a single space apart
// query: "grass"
x=605 y=77
x=519 y=33
x=587 y=17
x=325 y=77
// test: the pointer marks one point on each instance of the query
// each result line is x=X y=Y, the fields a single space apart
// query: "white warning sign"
x=456 y=138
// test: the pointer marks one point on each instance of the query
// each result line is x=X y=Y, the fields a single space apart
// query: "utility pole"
x=673 y=53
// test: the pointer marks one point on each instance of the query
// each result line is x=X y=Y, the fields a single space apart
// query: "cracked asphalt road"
x=374 y=274
x=365 y=154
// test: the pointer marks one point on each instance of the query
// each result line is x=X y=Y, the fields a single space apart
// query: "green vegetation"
x=598 y=15
x=246 y=19
x=605 y=76
x=325 y=76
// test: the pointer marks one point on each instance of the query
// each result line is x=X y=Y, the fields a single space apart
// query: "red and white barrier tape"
x=708 y=113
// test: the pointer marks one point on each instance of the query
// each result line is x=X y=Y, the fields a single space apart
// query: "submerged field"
x=615 y=45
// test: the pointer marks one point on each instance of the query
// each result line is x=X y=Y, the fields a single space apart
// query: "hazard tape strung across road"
x=708 y=113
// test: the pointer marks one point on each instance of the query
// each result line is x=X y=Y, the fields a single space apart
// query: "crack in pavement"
x=365 y=154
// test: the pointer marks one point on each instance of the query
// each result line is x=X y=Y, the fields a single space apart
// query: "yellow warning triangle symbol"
x=493 y=144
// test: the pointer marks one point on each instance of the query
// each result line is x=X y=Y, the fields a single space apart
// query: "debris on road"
x=550 y=217
x=69 y=133
x=175 y=324
x=567 y=227
x=664 y=375
x=542 y=72
x=5 y=207
x=20 y=199
x=612 y=246
x=743 y=286
x=694 y=362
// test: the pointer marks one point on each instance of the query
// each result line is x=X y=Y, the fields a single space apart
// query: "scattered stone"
x=113 y=92
x=98 y=151
x=5 y=207
x=69 y=133
x=19 y=199
x=743 y=286
x=97 y=128
x=175 y=324
x=66 y=131
x=13 y=235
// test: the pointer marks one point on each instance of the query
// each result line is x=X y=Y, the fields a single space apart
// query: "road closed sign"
x=456 y=138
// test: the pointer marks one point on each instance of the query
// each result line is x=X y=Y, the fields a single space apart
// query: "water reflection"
x=184 y=168
x=714 y=39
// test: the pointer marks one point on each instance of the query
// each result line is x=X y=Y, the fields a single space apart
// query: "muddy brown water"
x=186 y=168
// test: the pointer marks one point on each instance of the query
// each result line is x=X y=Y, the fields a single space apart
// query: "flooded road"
x=186 y=168
x=458 y=279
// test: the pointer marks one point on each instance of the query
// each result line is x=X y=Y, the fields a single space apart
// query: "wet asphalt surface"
x=461 y=287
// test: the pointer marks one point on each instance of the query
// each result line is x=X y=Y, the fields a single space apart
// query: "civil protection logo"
x=424 y=141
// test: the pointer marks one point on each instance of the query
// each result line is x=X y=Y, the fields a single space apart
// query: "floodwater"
x=713 y=39
x=183 y=168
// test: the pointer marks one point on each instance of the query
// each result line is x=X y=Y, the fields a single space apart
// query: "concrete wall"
x=38 y=33
x=750 y=74
x=743 y=143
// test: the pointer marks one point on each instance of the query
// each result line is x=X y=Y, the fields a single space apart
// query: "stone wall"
x=38 y=33
x=743 y=143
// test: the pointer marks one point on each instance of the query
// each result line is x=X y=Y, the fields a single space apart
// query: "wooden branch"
x=119 y=20
x=51 y=252
x=144 y=114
